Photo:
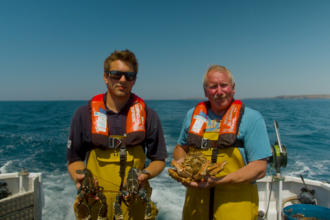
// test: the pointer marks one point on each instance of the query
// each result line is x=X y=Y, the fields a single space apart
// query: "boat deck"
x=270 y=192
x=25 y=200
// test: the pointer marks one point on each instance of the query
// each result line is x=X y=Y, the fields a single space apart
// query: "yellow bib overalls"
x=231 y=202
x=105 y=166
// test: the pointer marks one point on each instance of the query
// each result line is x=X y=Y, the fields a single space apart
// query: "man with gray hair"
x=223 y=129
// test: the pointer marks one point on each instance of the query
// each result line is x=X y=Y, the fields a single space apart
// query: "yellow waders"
x=105 y=166
x=231 y=202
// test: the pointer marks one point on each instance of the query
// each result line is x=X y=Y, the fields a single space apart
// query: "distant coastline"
x=276 y=97
x=297 y=97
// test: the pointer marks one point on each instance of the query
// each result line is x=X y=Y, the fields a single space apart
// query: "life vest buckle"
x=113 y=141
x=204 y=143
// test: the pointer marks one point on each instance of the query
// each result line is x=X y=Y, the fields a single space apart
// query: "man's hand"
x=78 y=180
x=249 y=173
x=73 y=166
x=143 y=179
x=180 y=161
x=154 y=168
x=208 y=183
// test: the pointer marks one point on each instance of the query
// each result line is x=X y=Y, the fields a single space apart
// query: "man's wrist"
x=146 y=173
x=143 y=177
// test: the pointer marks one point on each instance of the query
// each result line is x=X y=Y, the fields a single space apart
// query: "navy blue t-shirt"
x=80 y=138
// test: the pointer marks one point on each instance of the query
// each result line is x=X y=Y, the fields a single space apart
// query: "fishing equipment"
x=280 y=156
x=277 y=160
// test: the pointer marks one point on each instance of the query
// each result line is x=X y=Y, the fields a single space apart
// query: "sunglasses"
x=129 y=76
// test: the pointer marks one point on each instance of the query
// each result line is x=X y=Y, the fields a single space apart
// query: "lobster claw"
x=81 y=210
x=131 y=191
x=86 y=198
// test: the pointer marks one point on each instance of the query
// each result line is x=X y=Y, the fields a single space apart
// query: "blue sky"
x=55 y=49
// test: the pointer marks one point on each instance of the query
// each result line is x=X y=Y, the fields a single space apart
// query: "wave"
x=36 y=140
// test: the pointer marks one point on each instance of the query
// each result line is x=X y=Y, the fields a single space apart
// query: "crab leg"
x=178 y=178
x=199 y=177
x=180 y=169
x=216 y=168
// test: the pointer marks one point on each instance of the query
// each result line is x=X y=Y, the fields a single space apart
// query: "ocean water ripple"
x=33 y=135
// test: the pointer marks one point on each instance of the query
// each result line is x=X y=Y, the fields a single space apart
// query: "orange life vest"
x=107 y=160
x=135 y=122
x=228 y=128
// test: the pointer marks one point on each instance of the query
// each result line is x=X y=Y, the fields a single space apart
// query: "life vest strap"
x=212 y=190
x=207 y=143
x=119 y=142
x=211 y=209
x=214 y=155
x=122 y=158
x=115 y=142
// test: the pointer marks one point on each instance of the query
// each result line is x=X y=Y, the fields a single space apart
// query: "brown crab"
x=86 y=198
x=194 y=168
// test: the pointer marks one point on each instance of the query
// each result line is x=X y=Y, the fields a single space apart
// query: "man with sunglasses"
x=226 y=132
x=115 y=132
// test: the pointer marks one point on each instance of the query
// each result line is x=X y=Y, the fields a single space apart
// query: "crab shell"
x=194 y=168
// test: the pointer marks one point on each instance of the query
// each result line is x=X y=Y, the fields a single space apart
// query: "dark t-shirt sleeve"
x=76 y=149
x=155 y=141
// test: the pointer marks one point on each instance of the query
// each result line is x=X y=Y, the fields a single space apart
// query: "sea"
x=34 y=135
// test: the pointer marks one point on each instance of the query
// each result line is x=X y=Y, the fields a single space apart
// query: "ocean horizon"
x=311 y=96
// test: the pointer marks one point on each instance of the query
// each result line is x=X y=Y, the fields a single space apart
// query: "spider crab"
x=130 y=192
x=86 y=198
x=194 y=168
